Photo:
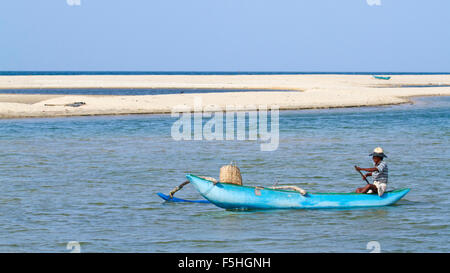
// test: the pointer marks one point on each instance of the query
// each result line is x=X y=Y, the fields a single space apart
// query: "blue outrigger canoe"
x=230 y=196
x=381 y=77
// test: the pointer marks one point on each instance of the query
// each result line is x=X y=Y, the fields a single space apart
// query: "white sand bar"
x=314 y=91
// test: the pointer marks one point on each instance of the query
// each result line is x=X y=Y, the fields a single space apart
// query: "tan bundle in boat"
x=230 y=174
x=212 y=179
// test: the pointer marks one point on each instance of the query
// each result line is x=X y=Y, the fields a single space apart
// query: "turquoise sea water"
x=94 y=180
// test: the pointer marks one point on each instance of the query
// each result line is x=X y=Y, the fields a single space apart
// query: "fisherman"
x=379 y=174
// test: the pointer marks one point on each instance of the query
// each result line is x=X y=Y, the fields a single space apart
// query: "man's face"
x=376 y=159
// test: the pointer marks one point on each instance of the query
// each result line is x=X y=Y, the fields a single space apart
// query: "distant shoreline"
x=81 y=73
x=318 y=91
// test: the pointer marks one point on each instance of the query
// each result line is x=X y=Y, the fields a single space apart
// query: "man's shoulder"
x=382 y=165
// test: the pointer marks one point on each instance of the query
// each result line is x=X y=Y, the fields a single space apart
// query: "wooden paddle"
x=362 y=175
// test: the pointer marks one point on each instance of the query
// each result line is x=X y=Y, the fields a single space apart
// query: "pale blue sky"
x=225 y=35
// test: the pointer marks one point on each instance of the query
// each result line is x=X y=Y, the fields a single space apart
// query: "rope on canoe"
x=294 y=188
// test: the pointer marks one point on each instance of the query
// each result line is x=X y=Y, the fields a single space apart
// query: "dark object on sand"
x=75 y=104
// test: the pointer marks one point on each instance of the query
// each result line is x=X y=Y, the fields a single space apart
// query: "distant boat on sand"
x=381 y=77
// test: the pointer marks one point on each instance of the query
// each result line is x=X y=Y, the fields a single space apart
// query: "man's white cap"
x=378 y=151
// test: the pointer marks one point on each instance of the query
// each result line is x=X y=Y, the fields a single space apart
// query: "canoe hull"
x=382 y=78
x=229 y=196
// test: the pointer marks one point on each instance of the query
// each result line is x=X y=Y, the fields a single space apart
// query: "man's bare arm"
x=367 y=169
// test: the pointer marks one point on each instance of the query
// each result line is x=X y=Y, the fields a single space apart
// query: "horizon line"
x=16 y=72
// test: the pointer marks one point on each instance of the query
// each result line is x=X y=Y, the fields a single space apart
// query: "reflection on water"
x=94 y=180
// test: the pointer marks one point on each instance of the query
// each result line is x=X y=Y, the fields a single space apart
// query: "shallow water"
x=94 y=180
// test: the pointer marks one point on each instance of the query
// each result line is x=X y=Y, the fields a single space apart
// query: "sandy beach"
x=313 y=91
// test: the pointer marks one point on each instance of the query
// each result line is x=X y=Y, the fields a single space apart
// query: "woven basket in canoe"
x=230 y=174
